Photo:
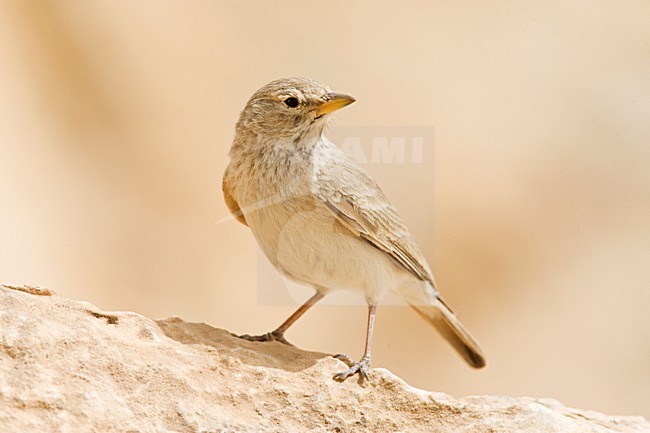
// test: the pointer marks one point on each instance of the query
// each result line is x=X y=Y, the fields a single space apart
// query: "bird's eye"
x=291 y=102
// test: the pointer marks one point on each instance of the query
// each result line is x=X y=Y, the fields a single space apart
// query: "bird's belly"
x=305 y=241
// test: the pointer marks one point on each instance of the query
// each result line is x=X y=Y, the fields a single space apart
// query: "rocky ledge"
x=66 y=366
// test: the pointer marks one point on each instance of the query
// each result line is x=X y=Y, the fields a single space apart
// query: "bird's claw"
x=269 y=336
x=360 y=368
x=344 y=358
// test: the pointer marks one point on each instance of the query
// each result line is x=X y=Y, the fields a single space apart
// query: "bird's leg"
x=362 y=366
x=278 y=334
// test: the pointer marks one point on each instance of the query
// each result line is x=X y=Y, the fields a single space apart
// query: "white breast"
x=306 y=243
x=302 y=238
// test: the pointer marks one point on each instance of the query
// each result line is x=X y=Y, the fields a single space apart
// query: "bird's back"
x=349 y=191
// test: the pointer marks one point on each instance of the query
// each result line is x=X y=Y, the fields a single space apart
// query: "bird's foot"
x=269 y=336
x=360 y=367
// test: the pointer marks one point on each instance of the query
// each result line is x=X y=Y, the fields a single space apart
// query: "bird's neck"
x=280 y=147
x=273 y=162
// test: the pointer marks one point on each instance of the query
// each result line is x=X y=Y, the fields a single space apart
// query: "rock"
x=66 y=366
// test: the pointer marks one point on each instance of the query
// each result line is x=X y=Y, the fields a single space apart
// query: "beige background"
x=116 y=118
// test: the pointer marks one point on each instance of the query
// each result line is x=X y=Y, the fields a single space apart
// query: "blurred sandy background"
x=116 y=118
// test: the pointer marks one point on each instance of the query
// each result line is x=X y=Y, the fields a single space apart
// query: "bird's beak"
x=334 y=101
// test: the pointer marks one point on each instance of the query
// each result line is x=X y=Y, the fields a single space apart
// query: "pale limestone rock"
x=66 y=366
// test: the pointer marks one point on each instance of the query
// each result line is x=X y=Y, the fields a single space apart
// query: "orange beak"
x=335 y=101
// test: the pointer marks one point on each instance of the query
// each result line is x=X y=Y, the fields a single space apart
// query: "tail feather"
x=445 y=321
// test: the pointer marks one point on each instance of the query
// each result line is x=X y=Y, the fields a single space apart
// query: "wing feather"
x=232 y=204
x=362 y=207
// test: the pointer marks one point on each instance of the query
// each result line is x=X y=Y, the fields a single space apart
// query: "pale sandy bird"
x=321 y=219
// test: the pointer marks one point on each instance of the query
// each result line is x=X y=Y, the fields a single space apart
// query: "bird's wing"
x=362 y=207
x=232 y=204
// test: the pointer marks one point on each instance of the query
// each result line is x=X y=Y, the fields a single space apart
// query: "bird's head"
x=290 y=109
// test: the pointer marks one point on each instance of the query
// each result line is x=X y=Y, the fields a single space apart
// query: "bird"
x=321 y=219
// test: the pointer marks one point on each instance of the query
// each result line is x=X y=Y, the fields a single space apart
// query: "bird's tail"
x=445 y=321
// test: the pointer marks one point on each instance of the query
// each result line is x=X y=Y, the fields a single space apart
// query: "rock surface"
x=66 y=366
